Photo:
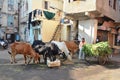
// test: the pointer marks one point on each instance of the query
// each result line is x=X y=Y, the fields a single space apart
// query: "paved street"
x=79 y=70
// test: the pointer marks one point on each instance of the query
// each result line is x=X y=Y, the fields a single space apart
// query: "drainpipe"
x=18 y=15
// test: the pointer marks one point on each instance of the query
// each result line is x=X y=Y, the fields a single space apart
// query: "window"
x=46 y=5
x=1 y=4
x=110 y=3
x=119 y=6
x=24 y=8
x=10 y=5
x=10 y=21
x=114 y=5
x=69 y=1
x=26 y=5
x=117 y=37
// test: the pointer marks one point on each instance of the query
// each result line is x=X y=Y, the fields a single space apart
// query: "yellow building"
x=38 y=21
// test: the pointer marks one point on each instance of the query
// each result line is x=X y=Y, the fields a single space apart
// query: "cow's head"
x=62 y=55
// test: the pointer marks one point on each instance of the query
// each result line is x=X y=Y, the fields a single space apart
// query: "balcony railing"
x=37 y=15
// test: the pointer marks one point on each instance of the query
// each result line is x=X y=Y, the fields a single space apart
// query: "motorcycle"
x=4 y=43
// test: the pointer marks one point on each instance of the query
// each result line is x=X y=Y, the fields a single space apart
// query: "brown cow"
x=23 y=48
x=72 y=46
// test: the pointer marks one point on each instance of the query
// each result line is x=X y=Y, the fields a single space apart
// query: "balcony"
x=79 y=6
x=93 y=8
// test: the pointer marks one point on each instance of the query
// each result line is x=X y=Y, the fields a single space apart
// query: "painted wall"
x=88 y=30
x=48 y=28
x=25 y=7
x=108 y=10
x=79 y=6
x=64 y=32
x=36 y=4
x=33 y=33
x=5 y=12
x=22 y=32
x=63 y=35
x=102 y=6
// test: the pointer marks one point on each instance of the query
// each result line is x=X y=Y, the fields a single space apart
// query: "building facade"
x=8 y=19
x=80 y=18
x=94 y=18
x=36 y=21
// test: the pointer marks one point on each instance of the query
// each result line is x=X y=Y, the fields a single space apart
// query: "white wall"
x=79 y=6
x=88 y=30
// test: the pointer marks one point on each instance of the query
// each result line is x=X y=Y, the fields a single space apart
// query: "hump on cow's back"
x=37 y=42
x=19 y=43
x=15 y=43
x=77 y=42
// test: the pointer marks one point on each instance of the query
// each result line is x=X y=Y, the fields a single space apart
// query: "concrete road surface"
x=78 y=70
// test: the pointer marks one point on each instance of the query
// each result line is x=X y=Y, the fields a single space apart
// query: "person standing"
x=81 y=54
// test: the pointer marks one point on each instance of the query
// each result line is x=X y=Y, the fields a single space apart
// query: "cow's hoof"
x=11 y=62
x=15 y=62
x=26 y=63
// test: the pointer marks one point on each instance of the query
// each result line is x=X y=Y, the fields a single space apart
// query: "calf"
x=22 y=48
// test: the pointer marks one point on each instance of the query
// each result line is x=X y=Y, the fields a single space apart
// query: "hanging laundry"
x=49 y=15
x=35 y=12
x=39 y=12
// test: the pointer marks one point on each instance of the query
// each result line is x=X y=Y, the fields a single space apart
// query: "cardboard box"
x=55 y=63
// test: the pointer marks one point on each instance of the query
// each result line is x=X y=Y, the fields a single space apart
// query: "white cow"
x=62 y=46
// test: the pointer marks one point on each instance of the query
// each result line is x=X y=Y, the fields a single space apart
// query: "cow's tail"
x=9 y=52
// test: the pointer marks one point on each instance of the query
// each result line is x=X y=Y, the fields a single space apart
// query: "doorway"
x=36 y=33
x=68 y=34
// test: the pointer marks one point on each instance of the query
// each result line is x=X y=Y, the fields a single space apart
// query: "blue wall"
x=32 y=29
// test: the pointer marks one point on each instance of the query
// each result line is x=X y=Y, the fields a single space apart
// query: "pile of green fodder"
x=100 y=50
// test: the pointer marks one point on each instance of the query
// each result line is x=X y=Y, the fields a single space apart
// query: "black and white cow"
x=49 y=50
x=38 y=44
x=62 y=46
